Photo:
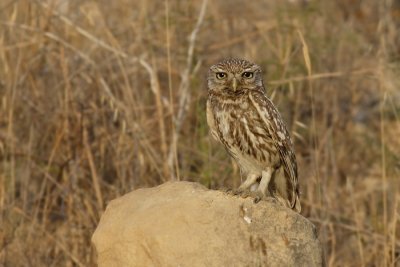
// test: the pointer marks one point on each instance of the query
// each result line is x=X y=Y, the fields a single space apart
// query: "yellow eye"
x=248 y=75
x=221 y=75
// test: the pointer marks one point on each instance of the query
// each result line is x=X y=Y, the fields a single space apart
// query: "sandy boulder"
x=185 y=224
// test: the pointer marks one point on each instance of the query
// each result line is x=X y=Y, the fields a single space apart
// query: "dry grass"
x=98 y=98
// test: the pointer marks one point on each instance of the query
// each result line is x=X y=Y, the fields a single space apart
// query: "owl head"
x=234 y=75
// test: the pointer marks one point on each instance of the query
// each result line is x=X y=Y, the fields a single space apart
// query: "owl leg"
x=262 y=188
x=244 y=189
x=250 y=180
x=265 y=179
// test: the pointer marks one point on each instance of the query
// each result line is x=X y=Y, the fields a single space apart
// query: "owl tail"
x=285 y=202
x=283 y=191
x=297 y=207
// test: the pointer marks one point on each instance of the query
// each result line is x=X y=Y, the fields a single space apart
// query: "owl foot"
x=258 y=196
x=226 y=190
x=245 y=193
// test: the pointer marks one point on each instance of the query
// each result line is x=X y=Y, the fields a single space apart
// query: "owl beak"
x=234 y=84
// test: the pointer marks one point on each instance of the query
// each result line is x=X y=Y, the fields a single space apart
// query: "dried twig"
x=322 y=76
x=184 y=91
x=160 y=100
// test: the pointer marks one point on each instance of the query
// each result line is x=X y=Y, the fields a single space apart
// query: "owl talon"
x=258 y=196
x=257 y=199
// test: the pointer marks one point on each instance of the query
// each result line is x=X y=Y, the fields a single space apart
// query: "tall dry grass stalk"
x=98 y=98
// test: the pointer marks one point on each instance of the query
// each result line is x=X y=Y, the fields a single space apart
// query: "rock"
x=185 y=224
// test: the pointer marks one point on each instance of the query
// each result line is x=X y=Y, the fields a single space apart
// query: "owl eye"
x=221 y=75
x=247 y=75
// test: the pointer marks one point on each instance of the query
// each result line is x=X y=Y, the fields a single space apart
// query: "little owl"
x=245 y=121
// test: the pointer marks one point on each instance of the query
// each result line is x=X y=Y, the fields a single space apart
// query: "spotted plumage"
x=246 y=122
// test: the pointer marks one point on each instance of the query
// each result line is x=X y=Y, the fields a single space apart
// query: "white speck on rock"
x=247 y=219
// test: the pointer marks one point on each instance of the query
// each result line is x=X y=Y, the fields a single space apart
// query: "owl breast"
x=239 y=127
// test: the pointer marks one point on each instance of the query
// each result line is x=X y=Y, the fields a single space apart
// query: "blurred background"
x=98 y=98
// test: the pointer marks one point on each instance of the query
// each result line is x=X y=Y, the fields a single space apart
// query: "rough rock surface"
x=185 y=224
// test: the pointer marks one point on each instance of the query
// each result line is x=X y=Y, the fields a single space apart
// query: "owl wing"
x=280 y=136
